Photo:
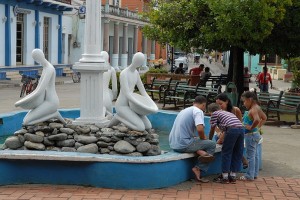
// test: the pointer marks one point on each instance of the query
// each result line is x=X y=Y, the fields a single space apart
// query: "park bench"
x=178 y=94
x=288 y=103
x=209 y=93
x=157 y=86
x=215 y=81
x=268 y=102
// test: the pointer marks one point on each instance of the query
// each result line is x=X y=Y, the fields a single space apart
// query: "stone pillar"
x=144 y=50
x=106 y=35
x=135 y=39
x=92 y=66
x=124 y=56
x=115 y=56
x=152 y=55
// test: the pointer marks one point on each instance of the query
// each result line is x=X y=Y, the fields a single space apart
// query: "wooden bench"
x=209 y=93
x=288 y=103
x=157 y=86
x=269 y=102
x=178 y=94
x=215 y=81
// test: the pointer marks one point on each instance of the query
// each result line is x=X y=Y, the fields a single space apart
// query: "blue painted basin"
x=108 y=171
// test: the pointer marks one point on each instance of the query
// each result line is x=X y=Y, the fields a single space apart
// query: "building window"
x=116 y=3
x=46 y=37
x=19 y=39
x=272 y=59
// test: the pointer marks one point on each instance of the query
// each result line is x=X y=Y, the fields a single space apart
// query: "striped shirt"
x=224 y=120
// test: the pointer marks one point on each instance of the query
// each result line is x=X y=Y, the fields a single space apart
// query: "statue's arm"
x=141 y=87
x=114 y=83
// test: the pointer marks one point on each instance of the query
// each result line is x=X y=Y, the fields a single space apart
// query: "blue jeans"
x=264 y=87
x=205 y=145
x=232 y=150
x=252 y=154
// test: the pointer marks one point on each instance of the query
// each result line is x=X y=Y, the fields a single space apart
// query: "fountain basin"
x=98 y=170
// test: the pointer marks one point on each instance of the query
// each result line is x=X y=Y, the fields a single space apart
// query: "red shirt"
x=196 y=71
x=263 y=80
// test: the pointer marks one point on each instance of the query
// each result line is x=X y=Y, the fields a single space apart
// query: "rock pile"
x=54 y=136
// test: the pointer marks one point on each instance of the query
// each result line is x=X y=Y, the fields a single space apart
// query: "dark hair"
x=250 y=95
x=201 y=65
x=224 y=97
x=180 y=65
x=200 y=99
x=206 y=69
x=213 y=107
x=246 y=69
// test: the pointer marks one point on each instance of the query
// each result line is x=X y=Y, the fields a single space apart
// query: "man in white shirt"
x=184 y=139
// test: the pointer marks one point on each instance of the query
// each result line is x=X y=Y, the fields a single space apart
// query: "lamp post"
x=92 y=66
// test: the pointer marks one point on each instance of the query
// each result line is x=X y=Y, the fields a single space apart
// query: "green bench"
x=269 y=102
x=157 y=86
x=209 y=93
x=288 y=103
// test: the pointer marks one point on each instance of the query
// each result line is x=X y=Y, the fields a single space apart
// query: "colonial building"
x=29 y=24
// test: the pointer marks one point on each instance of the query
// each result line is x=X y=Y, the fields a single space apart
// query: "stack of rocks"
x=54 y=136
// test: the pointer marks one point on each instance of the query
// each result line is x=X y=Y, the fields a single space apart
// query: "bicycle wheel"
x=29 y=88
x=23 y=90
x=75 y=77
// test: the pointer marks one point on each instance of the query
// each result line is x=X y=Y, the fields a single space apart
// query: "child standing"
x=233 y=144
x=253 y=119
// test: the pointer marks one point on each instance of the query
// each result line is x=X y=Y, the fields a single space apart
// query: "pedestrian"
x=233 y=144
x=246 y=79
x=196 y=71
x=253 y=120
x=180 y=69
x=264 y=79
x=187 y=136
x=204 y=76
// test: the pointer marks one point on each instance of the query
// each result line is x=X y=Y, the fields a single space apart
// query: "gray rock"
x=55 y=131
x=20 y=132
x=143 y=147
x=21 y=138
x=77 y=145
x=105 y=139
x=115 y=139
x=83 y=129
x=119 y=134
x=153 y=141
x=124 y=147
x=135 y=141
x=154 y=136
x=104 y=151
x=33 y=138
x=40 y=133
x=48 y=142
x=153 y=151
x=136 y=133
x=54 y=125
x=68 y=131
x=68 y=149
x=13 y=142
x=70 y=137
x=94 y=128
x=134 y=154
x=44 y=129
x=58 y=137
x=71 y=126
x=111 y=148
x=106 y=134
x=85 y=139
x=107 y=130
x=52 y=148
x=90 y=148
x=123 y=129
x=36 y=146
x=66 y=143
x=102 y=144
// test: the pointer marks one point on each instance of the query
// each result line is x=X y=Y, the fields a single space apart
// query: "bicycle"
x=28 y=84
x=76 y=76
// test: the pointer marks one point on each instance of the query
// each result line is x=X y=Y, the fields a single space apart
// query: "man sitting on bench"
x=204 y=76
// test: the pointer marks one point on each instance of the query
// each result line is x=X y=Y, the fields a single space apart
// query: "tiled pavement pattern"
x=263 y=188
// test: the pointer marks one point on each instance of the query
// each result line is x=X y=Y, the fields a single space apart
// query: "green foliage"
x=157 y=70
x=295 y=64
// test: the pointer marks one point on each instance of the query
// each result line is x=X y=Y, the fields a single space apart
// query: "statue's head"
x=38 y=55
x=105 y=56
x=138 y=59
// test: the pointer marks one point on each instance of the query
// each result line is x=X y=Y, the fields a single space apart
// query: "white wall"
x=2 y=36
x=66 y=30
x=29 y=38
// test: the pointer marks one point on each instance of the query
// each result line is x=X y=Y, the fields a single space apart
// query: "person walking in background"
x=196 y=71
x=187 y=136
x=233 y=144
x=264 y=79
x=246 y=79
x=253 y=119
x=180 y=69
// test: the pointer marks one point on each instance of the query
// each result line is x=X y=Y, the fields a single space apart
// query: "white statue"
x=109 y=94
x=43 y=101
x=131 y=107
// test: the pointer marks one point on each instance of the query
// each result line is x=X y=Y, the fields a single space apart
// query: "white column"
x=115 y=56
x=135 y=38
x=92 y=66
x=144 y=49
x=124 y=56
x=152 y=55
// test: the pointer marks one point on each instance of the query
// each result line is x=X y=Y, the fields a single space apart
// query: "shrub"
x=295 y=65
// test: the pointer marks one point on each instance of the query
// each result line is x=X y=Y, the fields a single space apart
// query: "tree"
x=216 y=24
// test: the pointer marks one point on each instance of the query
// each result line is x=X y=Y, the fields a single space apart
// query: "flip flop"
x=206 y=159
x=244 y=178
x=203 y=180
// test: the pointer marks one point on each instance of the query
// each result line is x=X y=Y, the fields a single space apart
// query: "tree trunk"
x=236 y=69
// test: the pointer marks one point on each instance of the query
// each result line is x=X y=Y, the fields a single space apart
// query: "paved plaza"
x=279 y=178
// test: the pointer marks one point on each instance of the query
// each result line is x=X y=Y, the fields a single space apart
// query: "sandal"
x=206 y=158
x=222 y=180
x=244 y=178
x=245 y=166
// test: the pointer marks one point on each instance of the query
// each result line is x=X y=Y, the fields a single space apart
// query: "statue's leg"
x=147 y=122
x=130 y=118
x=41 y=113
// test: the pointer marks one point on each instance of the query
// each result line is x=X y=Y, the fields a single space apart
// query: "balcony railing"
x=121 y=12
